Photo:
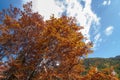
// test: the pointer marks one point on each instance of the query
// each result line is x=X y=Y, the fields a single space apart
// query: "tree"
x=34 y=49
x=105 y=74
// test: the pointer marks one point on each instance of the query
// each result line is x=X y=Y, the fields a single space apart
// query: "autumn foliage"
x=34 y=49
x=95 y=74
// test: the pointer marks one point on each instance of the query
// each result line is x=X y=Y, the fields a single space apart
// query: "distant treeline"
x=102 y=63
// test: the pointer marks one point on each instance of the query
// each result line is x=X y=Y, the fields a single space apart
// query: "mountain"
x=102 y=63
x=118 y=57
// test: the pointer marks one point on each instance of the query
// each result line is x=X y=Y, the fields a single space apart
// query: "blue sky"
x=100 y=18
x=110 y=17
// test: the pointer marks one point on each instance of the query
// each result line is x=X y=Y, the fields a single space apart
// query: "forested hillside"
x=102 y=63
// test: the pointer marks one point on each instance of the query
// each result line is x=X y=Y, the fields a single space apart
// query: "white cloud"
x=97 y=40
x=106 y=2
x=97 y=37
x=109 y=2
x=46 y=8
x=109 y=30
x=84 y=14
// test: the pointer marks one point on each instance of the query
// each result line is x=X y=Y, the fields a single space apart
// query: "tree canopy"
x=35 y=49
